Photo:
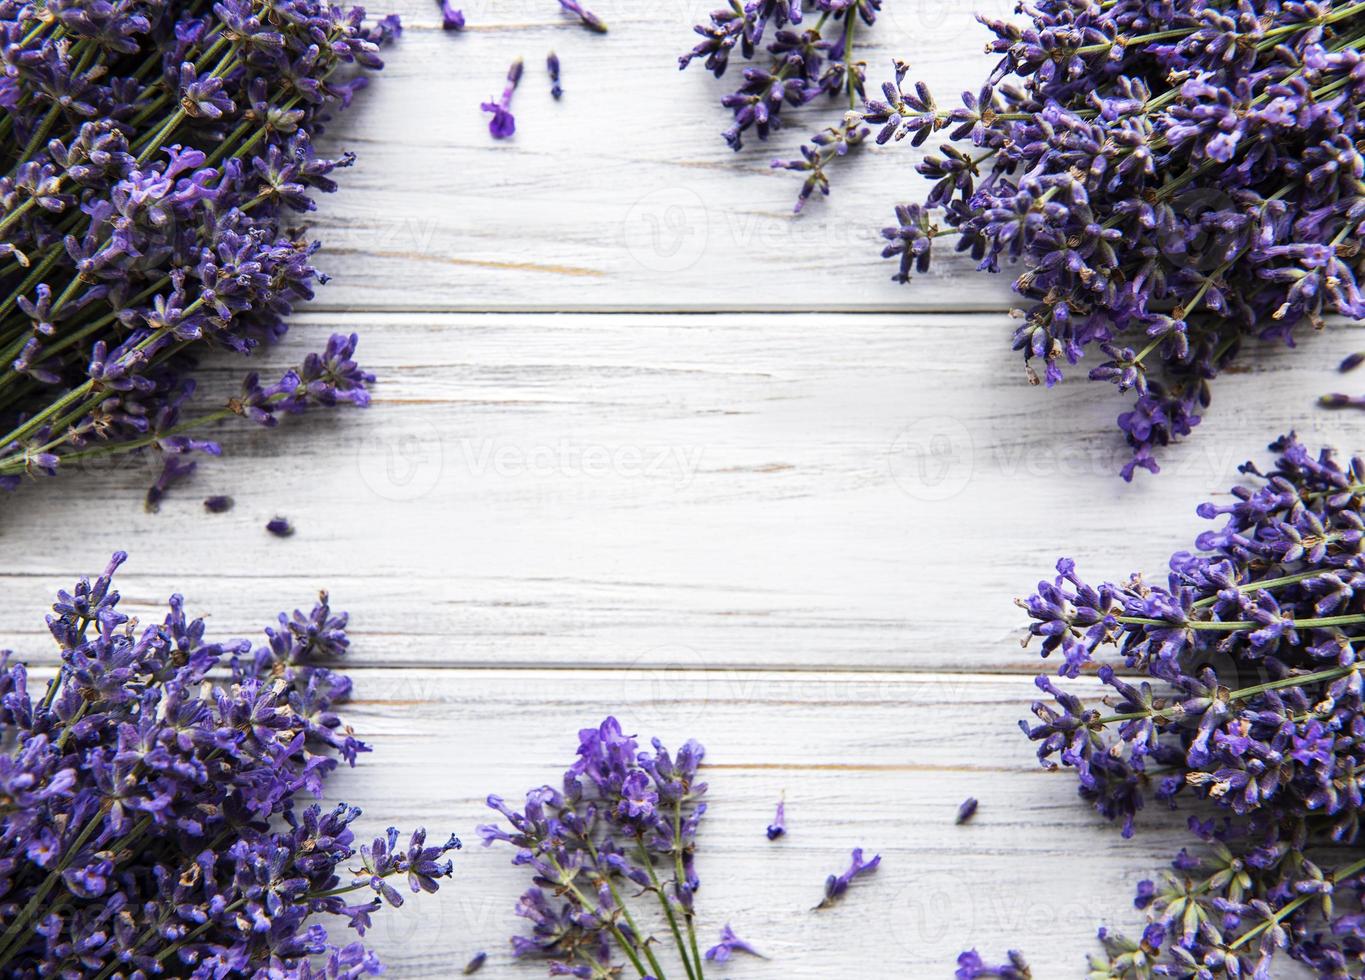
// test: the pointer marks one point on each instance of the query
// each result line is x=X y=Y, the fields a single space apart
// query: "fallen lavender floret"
x=452 y=18
x=475 y=964
x=218 y=504
x=585 y=17
x=280 y=527
x=1172 y=181
x=800 y=64
x=552 y=66
x=837 y=885
x=504 y=124
x=967 y=810
x=624 y=826
x=970 y=966
x=155 y=157
x=729 y=945
x=157 y=823
x=779 y=825
x=1249 y=705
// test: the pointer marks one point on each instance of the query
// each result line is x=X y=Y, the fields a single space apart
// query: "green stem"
x=667 y=907
x=681 y=877
x=34 y=903
x=1297 y=680
x=566 y=882
x=1242 y=624
x=1286 y=910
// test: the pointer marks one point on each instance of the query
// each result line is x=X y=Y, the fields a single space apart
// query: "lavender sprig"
x=1170 y=184
x=624 y=820
x=1248 y=703
x=152 y=157
x=153 y=816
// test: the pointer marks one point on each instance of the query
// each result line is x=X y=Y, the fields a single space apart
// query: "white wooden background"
x=645 y=444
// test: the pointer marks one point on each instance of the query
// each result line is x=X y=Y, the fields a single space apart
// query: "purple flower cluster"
x=1173 y=177
x=798 y=65
x=1251 y=700
x=154 y=156
x=150 y=803
x=970 y=966
x=623 y=825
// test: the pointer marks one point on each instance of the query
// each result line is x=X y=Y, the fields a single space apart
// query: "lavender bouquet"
x=1252 y=702
x=150 y=800
x=623 y=821
x=153 y=154
x=1173 y=177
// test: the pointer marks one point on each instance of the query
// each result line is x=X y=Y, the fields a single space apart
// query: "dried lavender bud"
x=218 y=504
x=146 y=210
x=825 y=146
x=586 y=17
x=779 y=825
x=158 y=817
x=504 y=124
x=837 y=885
x=1351 y=361
x=967 y=810
x=452 y=19
x=623 y=827
x=1170 y=183
x=280 y=527
x=970 y=966
x=475 y=964
x=729 y=945
x=1250 y=694
x=552 y=66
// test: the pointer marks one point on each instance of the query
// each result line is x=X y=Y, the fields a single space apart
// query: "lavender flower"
x=837 y=885
x=1248 y=687
x=452 y=19
x=970 y=966
x=967 y=810
x=729 y=945
x=622 y=826
x=218 y=504
x=585 y=17
x=155 y=822
x=280 y=527
x=503 y=124
x=552 y=66
x=1171 y=183
x=475 y=964
x=779 y=825
x=154 y=157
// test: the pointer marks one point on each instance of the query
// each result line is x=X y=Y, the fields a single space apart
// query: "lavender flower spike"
x=588 y=19
x=504 y=124
x=729 y=945
x=779 y=825
x=837 y=885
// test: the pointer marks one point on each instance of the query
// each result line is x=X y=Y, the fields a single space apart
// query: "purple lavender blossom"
x=147 y=213
x=156 y=821
x=452 y=18
x=585 y=17
x=1247 y=678
x=622 y=827
x=504 y=124
x=280 y=527
x=552 y=66
x=970 y=966
x=729 y=945
x=967 y=810
x=779 y=825
x=837 y=885
x=475 y=964
x=218 y=504
x=1170 y=184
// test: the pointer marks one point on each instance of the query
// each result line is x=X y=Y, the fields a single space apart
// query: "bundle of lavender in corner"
x=151 y=800
x=1250 y=706
x=619 y=837
x=151 y=157
x=1172 y=178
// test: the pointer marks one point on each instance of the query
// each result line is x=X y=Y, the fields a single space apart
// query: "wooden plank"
x=728 y=491
x=622 y=195
x=879 y=761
